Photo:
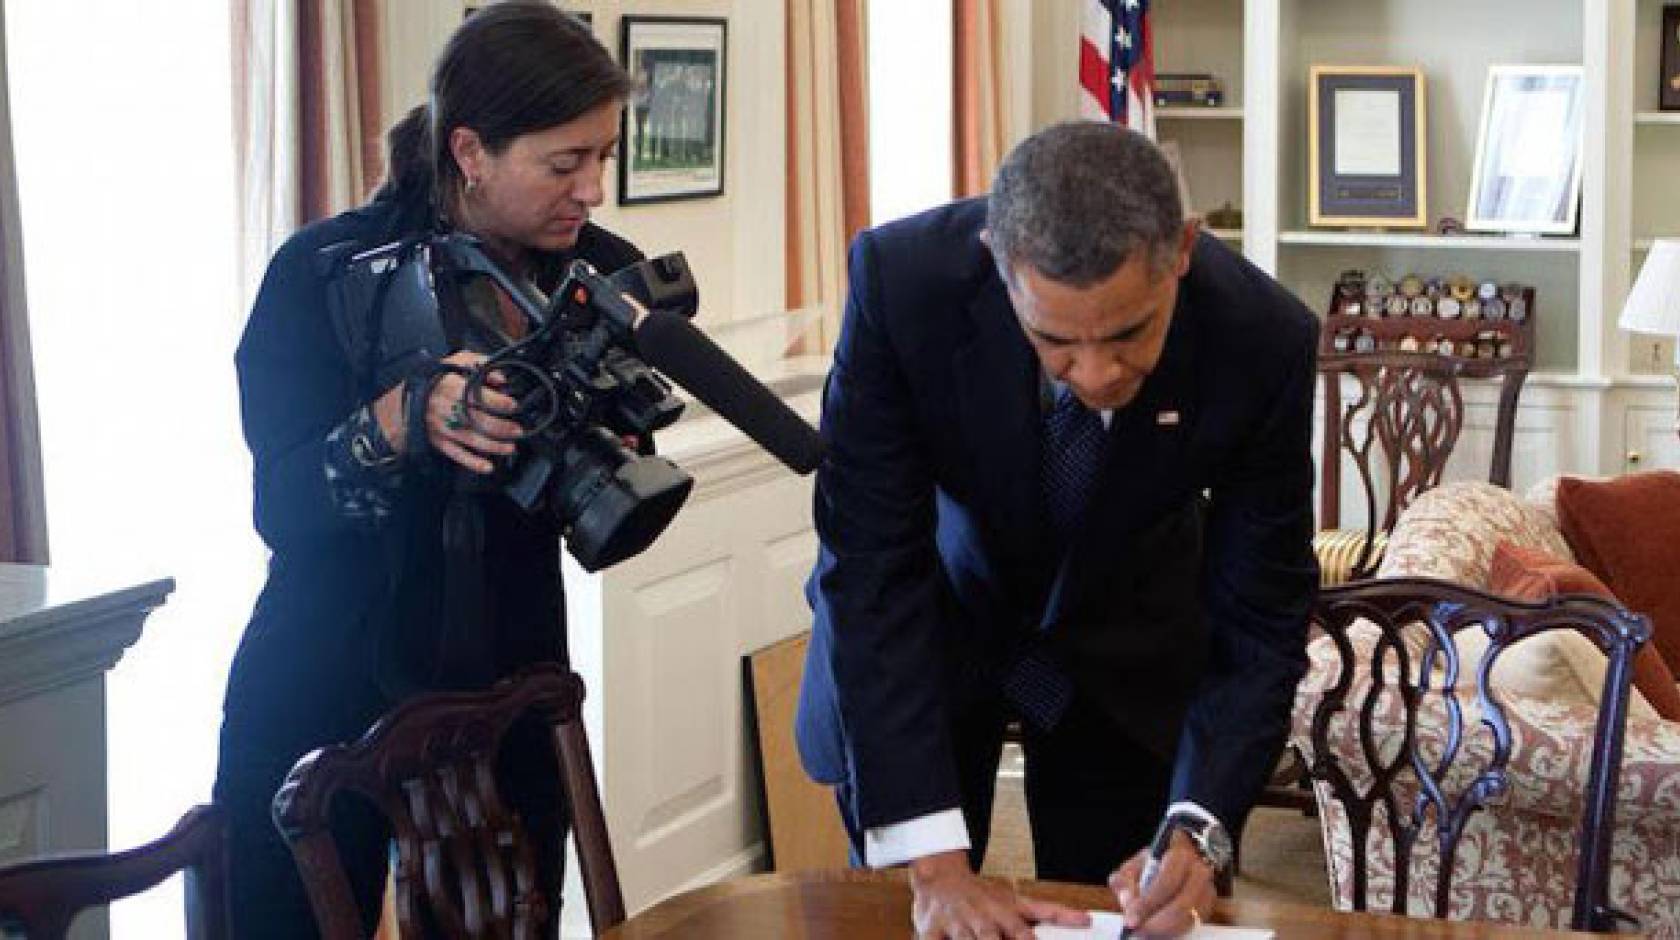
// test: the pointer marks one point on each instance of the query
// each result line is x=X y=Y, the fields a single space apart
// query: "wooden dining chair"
x=1397 y=429
x=41 y=897
x=1390 y=737
x=464 y=864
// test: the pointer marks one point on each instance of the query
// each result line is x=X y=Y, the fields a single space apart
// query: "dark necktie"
x=1073 y=443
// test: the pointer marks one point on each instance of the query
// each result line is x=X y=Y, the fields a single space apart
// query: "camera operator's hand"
x=469 y=433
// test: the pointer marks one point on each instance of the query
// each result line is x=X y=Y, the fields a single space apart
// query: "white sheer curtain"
x=827 y=151
x=266 y=127
x=121 y=125
x=306 y=78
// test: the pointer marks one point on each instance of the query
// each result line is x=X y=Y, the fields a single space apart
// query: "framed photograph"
x=1366 y=154
x=1527 y=175
x=1668 y=98
x=672 y=142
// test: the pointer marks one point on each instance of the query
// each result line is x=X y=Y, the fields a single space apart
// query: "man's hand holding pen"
x=1164 y=888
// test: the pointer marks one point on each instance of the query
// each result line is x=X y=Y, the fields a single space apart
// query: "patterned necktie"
x=1073 y=443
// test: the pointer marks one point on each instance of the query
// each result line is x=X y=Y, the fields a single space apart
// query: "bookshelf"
x=1205 y=36
x=1596 y=390
x=1453 y=243
x=1654 y=157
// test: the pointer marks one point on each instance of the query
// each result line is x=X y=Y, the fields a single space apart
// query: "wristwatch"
x=1208 y=836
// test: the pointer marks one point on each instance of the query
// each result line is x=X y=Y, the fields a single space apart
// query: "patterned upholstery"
x=1516 y=863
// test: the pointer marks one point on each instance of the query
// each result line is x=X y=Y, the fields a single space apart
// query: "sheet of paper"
x=1367 y=132
x=1105 y=925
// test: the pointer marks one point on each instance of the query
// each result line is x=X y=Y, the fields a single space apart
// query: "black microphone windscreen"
x=674 y=346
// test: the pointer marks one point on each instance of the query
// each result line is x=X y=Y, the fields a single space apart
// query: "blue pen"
x=1157 y=851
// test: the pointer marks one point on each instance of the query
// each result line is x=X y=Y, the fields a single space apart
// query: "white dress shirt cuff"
x=1193 y=809
x=941 y=831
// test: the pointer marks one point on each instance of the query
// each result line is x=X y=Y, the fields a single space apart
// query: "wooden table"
x=863 y=905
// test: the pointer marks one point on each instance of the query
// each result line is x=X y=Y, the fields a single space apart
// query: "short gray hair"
x=1078 y=199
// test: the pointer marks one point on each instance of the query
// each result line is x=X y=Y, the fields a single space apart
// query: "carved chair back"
x=465 y=866
x=1427 y=780
x=1399 y=428
x=42 y=897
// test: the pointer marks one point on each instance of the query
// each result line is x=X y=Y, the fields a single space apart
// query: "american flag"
x=1117 y=64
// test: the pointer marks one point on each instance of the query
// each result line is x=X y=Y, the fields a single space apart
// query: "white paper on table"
x=1105 y=925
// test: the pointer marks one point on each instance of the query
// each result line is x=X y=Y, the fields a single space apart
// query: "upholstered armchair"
x=1517 y=859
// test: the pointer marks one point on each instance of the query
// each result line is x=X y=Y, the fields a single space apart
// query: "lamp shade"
x=1653 y=306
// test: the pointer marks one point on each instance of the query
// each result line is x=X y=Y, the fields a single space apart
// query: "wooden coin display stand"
x=1499 y=344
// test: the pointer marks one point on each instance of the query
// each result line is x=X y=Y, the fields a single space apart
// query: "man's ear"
x=1187 y=244
x=468 y=151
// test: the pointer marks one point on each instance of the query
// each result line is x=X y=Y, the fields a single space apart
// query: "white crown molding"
x=55 y=631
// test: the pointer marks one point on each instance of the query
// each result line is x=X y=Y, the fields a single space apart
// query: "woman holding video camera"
x=389 y=575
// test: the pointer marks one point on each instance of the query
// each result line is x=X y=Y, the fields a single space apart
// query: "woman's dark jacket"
x=352 y=613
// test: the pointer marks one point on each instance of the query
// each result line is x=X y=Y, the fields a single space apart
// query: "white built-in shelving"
x=1333 y=238
x=1252 y=152
x=1192 y=113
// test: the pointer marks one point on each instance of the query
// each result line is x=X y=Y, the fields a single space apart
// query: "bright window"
x=910 y=146
x=122 y=128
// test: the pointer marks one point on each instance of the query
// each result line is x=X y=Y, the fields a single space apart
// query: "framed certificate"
x=1527 y=176
x=1366 y=154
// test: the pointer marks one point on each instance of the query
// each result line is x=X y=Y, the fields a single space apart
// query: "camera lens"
x=612 y=503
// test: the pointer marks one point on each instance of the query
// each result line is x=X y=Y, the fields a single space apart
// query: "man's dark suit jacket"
x=1180 y=609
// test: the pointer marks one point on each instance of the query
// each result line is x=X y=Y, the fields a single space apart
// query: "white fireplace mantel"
x=58 y=635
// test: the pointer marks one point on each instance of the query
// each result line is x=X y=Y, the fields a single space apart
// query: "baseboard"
x=744 y=862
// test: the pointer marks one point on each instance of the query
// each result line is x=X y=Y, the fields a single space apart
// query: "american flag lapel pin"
x=1166 y=419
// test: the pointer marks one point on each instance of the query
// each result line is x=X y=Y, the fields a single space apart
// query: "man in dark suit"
x=1069 y=482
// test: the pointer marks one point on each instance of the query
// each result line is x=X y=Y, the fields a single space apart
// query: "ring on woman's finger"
x=1195 y=919
x=457 y=416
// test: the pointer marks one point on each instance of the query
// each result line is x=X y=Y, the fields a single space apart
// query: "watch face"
x=1211 y=840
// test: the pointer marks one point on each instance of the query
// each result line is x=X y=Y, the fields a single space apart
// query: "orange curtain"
x=340 y=136
x=853 y=63
x=827 y=151
x=979 y=102
x=307 y=117
x=23 y=525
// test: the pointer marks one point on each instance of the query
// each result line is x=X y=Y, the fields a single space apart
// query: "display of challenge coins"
x=1448 y=315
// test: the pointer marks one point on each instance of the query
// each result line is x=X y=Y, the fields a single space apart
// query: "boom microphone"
x=674 y=346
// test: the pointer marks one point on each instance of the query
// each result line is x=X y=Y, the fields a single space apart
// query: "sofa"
x=1516 y=862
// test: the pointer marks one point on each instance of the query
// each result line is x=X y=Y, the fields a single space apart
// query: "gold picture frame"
x=1367 y=152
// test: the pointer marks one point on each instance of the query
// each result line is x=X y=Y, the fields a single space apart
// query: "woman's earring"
x=472 y=184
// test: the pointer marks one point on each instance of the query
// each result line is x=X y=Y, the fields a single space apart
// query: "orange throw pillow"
x=1529 y=574
x=1626 y=530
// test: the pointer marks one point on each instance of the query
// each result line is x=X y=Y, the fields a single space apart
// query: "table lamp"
x=1653 y=306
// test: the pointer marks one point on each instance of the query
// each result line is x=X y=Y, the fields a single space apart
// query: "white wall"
x=734 y=241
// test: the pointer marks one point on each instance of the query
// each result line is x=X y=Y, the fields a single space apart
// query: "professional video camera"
x=581 y=375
